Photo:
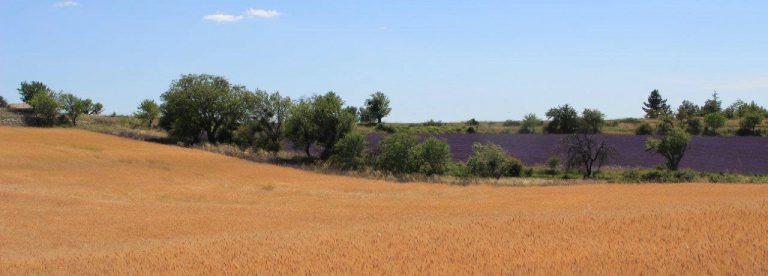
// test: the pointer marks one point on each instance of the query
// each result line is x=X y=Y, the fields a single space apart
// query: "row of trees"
x=206 y=107
x=689 y=116
x=50 y=106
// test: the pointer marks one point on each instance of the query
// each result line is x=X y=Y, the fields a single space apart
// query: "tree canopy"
x=656 y=105
x=377 y=107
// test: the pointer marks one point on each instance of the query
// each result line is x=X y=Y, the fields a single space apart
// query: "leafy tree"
x=672 y=147
x=529 y=124
x=268 y=112
x=592 y=120
x=584 y=152
x=45 y=106
x=562 y=119
x=666 y=123
x=656 y=105
x=95 y=109
x=472 y=122
x=73 y=106
x=148 y=112
x=686 y=111
x=712 y=105
x=319 y=120
x=395 y=154
x=432 y=156
x=203 y=104
x=3 y=102
x=749 y=123
x=348 y=153
x=712 y=122
x=377 y=107
x=490 y=160
x=28 y=90
x=693 y=126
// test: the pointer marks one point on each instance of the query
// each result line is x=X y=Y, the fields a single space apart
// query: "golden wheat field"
x=75 y=202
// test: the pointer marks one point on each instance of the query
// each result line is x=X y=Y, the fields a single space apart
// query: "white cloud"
x=223 y=18
x=261 y=13
x=66 y=4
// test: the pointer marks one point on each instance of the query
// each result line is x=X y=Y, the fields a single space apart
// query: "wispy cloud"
x=223 y=18
x=251 y=12
x=65 y=4
x=261 y=13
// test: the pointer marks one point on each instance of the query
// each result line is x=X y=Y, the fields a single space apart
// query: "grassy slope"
x=78 y=202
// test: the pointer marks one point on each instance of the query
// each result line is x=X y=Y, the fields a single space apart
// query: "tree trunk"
x=306 y=150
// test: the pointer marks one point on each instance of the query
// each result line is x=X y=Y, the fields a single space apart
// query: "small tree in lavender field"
x=584 y=152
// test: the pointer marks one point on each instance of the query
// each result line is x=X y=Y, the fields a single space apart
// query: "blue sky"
x=447 y=60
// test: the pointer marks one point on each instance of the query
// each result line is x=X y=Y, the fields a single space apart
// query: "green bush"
x=749 y=123
x=395 y=155
x=659 y=176
x=672 y=147
x=385 y=128
x=644 y=129
x=693 y=126
x=490 y=160
x=45 y=106
x=348 y=153
x=432 y=156
x=713 y=122
x=553 y=163
x=471 y=130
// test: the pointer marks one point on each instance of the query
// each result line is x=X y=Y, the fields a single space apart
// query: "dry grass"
x=75 y=202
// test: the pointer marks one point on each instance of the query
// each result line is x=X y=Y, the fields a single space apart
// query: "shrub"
x=644 y=129
x=693 y=126
x=433 y=123
x=490 y=160
x=432 y=156
x=348 y=153
x=530 y=123
x=148 y=112
x=712 y=122
x=749 y=123
x=45 y=106
x=385 y=128
x=553 y=163
x=471 y=130
x=395 y=154
x=672 y=147
x=510 y=123
x=592 y=120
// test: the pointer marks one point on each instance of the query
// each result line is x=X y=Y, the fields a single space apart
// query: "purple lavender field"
x=710 y=154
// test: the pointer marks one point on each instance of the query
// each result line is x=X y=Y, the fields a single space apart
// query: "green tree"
x=28 y=90
x=592 y=120
x=530 y=123
x=562 y=119
x=45 y=106
x=395 y=154
x=203 y=104
x=3 y=102
x=672 y=147
x=320 y=120
x=749 y=123
x=713 y=122
x=95 y=109
x=348 y=153
x=490 y=160
x=713 y=105
x=268 y=113
x=73 y=106
x=686 y=111
x=432 y=156
x=656 y=105
x=148 y=112
x=377 y=106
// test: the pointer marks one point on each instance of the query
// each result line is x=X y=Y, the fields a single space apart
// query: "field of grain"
x=75 y=202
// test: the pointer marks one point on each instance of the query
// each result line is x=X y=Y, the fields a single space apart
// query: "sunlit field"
x=76 y=202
